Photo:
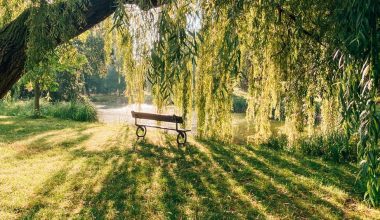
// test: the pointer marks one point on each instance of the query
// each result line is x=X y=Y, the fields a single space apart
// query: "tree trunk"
x=37 y=95
x=83 y=82
x=12 y=52
x=14 y=36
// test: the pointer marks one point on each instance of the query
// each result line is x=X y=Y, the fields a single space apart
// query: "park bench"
x=141 y=128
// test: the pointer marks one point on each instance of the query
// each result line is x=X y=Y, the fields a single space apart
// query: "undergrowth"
x=82 y=110
x=333 y=147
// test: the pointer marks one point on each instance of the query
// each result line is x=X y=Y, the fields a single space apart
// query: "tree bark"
x=14 y=36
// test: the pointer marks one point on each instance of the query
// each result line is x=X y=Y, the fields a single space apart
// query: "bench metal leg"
x=140 y=131
x=181 y=137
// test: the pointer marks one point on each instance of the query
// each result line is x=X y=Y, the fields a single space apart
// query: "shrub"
x=334 y=146
x=240 y=104
x=82 y=110
x=19 y=108
x=77 y=111
x=279 y=142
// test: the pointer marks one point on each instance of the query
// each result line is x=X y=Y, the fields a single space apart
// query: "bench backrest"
x=157 y=117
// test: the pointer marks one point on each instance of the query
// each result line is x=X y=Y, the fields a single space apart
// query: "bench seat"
x=141 y=128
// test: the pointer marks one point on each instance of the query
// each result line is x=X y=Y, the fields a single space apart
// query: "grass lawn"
x=62 y=169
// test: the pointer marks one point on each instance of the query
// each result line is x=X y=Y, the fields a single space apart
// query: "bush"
x=19 y=108
x=277 y=142
x=240 y=104
x=335 y=147
x=78 y=111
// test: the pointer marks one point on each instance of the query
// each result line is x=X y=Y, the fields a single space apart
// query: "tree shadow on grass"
x=38 y=202
x=69 y=185
x=202 y=180
x=21 y=128
x=329 y=173
x=118 y=197
x=44 y=144
x=189 y=187
x=297 y=198
x=198 y=184
x=73 y=183
x=215 y=197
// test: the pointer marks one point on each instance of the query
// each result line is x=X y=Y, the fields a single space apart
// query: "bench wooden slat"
x=165 y=128
x=157 y=117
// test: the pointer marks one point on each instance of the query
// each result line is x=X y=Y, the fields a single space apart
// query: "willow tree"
x=298 y=56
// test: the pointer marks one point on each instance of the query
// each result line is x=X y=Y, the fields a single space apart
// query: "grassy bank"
x=63 y=169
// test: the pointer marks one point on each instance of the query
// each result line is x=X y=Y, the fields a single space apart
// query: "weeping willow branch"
x=294 y=18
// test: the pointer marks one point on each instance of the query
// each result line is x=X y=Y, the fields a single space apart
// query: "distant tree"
x=42 y=77
x=95 y=69
x=69 y=86
x=114 y=81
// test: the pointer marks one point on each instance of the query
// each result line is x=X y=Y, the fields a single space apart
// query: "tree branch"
x=294 y=18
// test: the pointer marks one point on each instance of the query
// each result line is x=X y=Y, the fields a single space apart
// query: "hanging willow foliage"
x=359 y=63
x=173 y=59
x=214 y=85
x=45 y=35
